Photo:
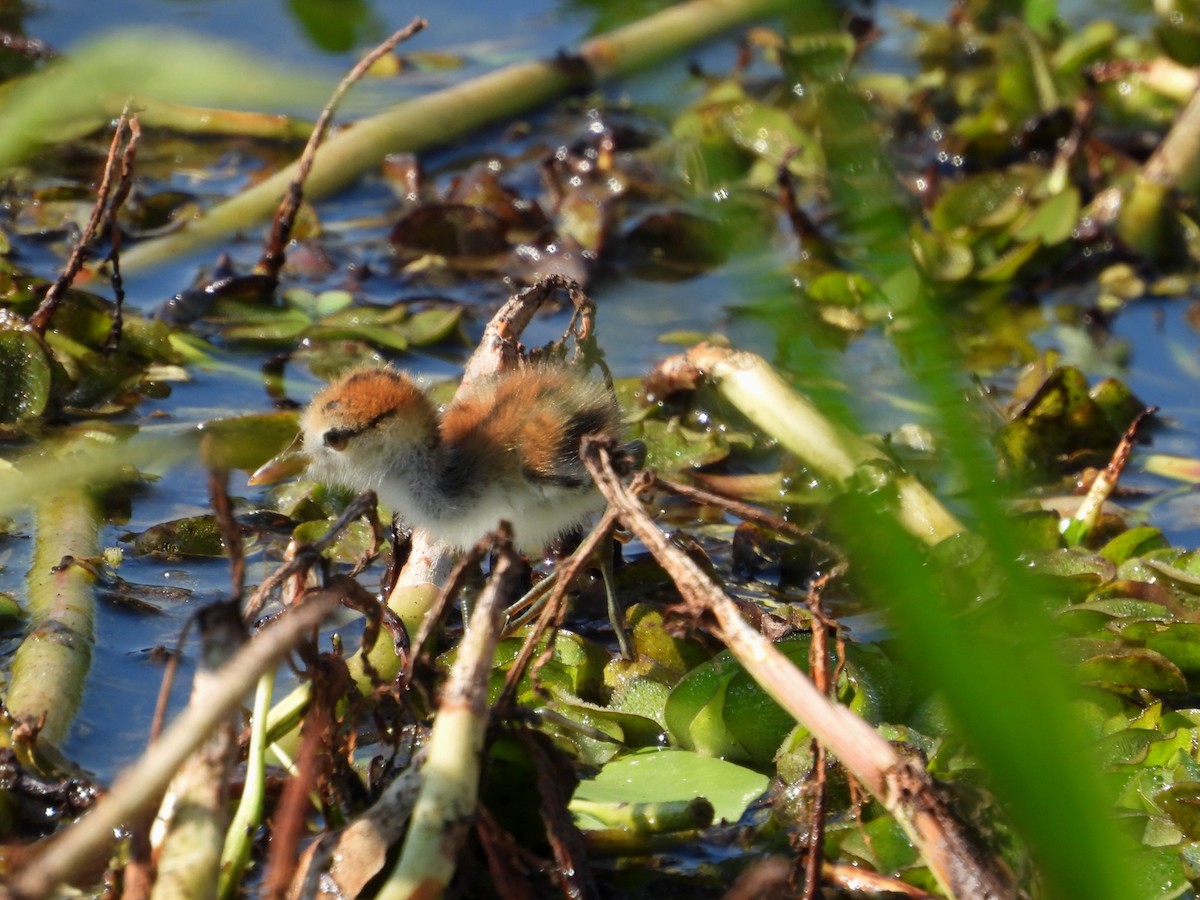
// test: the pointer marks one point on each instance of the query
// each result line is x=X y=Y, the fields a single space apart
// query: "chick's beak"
x=285 y=464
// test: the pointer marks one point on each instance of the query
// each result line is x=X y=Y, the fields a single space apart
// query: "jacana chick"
x=506 y=449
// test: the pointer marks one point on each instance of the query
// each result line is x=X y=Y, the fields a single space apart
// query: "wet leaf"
x=1134 y=668
x=989 y=200
x=431 y=326
x=246 y=442
x=1133 y=542
x=1053 y=221
x=24 y=373
x=671 y=245
x=451 y=230
x=658 y=776
x=1180 y=643
x=192 y=536
x=719 y=710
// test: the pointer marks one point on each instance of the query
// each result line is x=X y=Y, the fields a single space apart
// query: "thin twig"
x=289 y=816
x=39 y=322
x=568 y=571
x=113 y=342
x=818 y=661
x=306 y=556
x=744 y=511
x=231 y=534
x=274 y=256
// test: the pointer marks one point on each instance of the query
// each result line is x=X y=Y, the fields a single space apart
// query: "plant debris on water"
x=958 y=658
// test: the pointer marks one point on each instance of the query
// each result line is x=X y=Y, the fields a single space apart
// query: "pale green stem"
x=194 y=813
x=647 y=818
x=240 y=838
x=750 y=384
x=450 y=790
x=51 y=665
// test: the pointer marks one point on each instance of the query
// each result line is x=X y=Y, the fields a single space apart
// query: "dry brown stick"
x=555 y=786
x=289 y=817
x=899 y=783
x=40 y=320
x=113 y=342
x=218 y=492
x=274 y=256
x=1087 y=516
x=818 y=661
x=140 y=785
x=859 y=880
x=745 y=511
x=499 y=348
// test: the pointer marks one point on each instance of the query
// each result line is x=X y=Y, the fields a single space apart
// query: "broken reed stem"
x=194 y=810
x=900 y=784
x=113 y=342
x=140 y=785
x=748 y=382
x=818 y=662
x=449 y=795
x=39 y=322
x=442 y=116
x=52 y=662
x=1087 y=516
x=274 y=254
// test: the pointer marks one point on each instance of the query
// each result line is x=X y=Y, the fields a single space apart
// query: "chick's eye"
x=336 y=439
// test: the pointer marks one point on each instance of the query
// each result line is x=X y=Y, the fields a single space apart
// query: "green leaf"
x=1135 y=667
x=658 y=776
x=24 y=374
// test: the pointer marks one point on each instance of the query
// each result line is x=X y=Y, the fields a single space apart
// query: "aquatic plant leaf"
x=455 y=231
x=1180 y=643
x=1053 y=221
x=1134 y=668
x=1063 y=419
x=191 y=536
x=718 y=709
x=431 y=326
x=988 y=200
x=351 y=545
x=1085 y=618
x=670 y=245
x=672 y=446
x=658 y=776
x=25 y=376
x=1133 y=542
x=246 y=442
x=882 y=843
x=1180 y=468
